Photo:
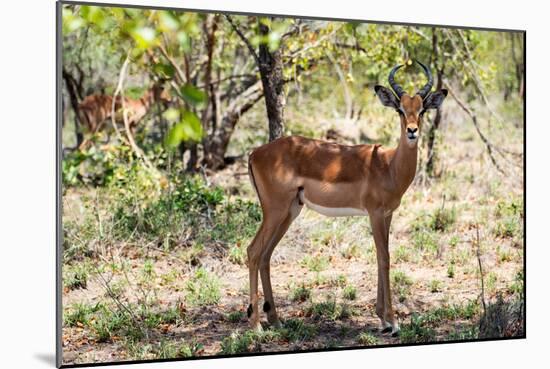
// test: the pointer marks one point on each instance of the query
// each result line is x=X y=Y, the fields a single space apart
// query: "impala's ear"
x=386 y=96
x=434 y=101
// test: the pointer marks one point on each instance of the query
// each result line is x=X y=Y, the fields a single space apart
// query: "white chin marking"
x=332 y=212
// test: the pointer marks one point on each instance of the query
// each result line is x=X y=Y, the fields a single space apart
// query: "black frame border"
x=59 y=156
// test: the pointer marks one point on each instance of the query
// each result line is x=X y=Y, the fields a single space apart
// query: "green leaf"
x=93 y=14
x=167 y=21
x=183 y=39
x=164 y=70
x=192 y=95
x=174 y=136
x=144 y=37
x=192 y=126
x=171 y=114
x=71 y=22
x=188 y=129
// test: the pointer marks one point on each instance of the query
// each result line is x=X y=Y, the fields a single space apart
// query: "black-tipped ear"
x=434 y=100
x=386 y=96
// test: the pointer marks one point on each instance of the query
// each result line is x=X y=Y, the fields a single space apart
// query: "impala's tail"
x=251 y=176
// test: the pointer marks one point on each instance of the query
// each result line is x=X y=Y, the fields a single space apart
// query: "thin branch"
x=179 y=72
x=473 y=72
x=473 y=116
x=243 y=38
x=478 y=255
x=121 y=75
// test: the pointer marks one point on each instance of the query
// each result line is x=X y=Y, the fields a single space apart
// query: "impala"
x=336 y=180
x=94 y=110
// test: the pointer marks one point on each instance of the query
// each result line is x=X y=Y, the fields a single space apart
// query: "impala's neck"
x=403 y=163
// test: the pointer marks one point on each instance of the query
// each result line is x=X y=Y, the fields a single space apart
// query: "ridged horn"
x=424 y=91
x=391 y=80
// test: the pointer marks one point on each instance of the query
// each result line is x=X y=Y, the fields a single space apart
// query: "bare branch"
x=473 y=116
x=243 y=38
x=179 y=72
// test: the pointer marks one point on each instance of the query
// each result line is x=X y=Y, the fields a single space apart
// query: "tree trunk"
x=271 y=72
x=216 y=144
x=74 y=97
x=432 y=133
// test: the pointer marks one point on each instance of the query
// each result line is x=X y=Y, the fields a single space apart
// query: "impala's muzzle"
x=412 y=133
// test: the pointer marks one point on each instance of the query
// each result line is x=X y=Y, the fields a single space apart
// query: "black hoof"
x=387 y=329
x=395 y=334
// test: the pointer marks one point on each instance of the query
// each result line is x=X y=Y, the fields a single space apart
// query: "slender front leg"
x=380 y=231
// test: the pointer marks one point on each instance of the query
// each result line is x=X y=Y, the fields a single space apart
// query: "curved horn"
x=424 y=91
x=398 y=89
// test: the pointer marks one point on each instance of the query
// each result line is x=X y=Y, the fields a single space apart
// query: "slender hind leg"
x=254 y=253
x=265 y=272
x=261 y=242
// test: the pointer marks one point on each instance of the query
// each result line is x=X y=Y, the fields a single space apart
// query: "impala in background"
x=94 y=110
x=337 y=180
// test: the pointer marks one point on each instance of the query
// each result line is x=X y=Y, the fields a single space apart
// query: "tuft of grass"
x=153 y=319
x=426 y=241
x=509 y=216
x=367 y=339
x=300 y=294
x=235 y=316
x=402 y=254
x=298 y=330
x=416 y=331
x=331 y=310
x=237 y=254
x=164 y=349
x=247 y=341
x=506 y=228
x=349 y=292
x=203 y=289
x=339 y=281
x=442 y=219
x=401 y=283
x=353 y=251
x=451 y=269
x=316 y=263
x=516 y=287
x=78 y=314
x=453 y=241
x=108 y=323
x=503 y=256
x=490 y=282
x=75 y=276
x=435 y=285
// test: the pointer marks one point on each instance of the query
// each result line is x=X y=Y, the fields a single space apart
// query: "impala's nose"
x=412 y=133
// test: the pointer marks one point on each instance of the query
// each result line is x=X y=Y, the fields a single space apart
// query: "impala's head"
x=159 y=93
x=410 y=108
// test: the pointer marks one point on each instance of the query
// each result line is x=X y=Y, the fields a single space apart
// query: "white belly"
x=331 y=212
